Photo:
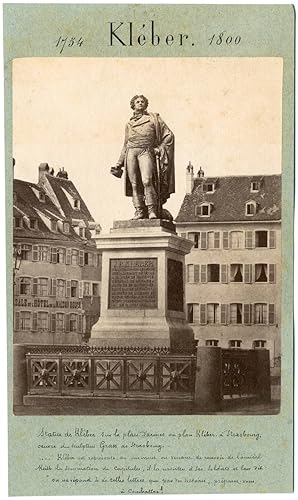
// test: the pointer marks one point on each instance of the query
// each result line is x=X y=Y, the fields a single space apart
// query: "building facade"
x=57 y=287
x=233 y=273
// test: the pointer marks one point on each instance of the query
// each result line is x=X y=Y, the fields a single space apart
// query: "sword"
x=159 y=205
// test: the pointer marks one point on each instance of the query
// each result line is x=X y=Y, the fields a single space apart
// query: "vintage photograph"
x=147 y=235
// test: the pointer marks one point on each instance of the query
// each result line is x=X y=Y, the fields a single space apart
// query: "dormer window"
x=209 y=187
x=66 y=227
x=76 y=204
x=33 y=223
x=42 y=197
x=18 y=222
x=255 y=186
x=203 y=210
x=53 y=225
x=251 y=208
x=82 y=232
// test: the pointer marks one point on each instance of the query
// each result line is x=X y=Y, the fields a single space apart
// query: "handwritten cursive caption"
x=142 y=462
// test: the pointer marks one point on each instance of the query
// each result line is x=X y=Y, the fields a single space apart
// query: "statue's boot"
x=140 y=207
x=139 y=214
x=152 y=211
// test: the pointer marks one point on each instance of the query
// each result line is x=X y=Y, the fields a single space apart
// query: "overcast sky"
x=226 y=114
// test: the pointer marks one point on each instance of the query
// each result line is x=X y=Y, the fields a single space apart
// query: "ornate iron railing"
x=118 y=375
x=239 y=376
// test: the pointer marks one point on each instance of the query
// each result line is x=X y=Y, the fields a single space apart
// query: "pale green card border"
x=267 y=30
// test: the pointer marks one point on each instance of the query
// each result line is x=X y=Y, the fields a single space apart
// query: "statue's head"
x=139 y=103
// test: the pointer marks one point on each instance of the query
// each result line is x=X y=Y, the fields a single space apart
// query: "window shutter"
x=17 y=320
x=68 y=285
x=272 y=242
x=67 y=318
x=81 y=258
x=248 y=239
x=53 y=322
x=203 y=319
x=203 y=240
x=224 y=273
x=223 y=314
x=34 y=321
x=271 y=314
x=183 y=235
x=17 y=290
x=35 y=286
x=53 y=282
x=54 y=255
x=225 y=240
x=80 y=323
x=35 y=252
x=271 y=273
x=203 y=274
x=196 y=312
x=81 y=289
x=196 y=273
x=216 y=239
x=247 y=273
x=68 y=256
x=198 y=210
x=247 y=314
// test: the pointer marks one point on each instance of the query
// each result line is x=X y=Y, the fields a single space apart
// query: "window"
x=203 y=210
x=60 y=290
x=26 y=252
x=235 y=343
x=25 y=320
x=213 y=273
x=53 y=225
x=236 y=313
x=261 y=239
x=66 y=227
x=42 y=321
x=18 y=222
x=82 y=232
x=236 y=239
x=213 y=239
x=60 y=322
x=42 y=287
x=259 y=344
x=43 y=253
x=33 y=223
x=211 y=343
x=208 y=187
x=88 y=259
x=212 y=313
x=261 y=275
x=251 y=208
x=95 y=289
x=255 y=186
x=42 y=196
x=75 y=257
x=74 y=288
x=25 y=286
x=87 y=289
x=61 y=255
x=76 y=204
x=73 y=322
x=236 y=273
x=260 y=314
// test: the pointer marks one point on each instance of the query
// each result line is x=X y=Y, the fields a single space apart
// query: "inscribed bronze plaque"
x=175 y=285
x=133 y=284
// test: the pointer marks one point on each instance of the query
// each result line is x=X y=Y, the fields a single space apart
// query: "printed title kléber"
x=127 y=34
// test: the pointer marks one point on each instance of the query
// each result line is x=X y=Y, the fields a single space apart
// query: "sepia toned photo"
x=147 y=235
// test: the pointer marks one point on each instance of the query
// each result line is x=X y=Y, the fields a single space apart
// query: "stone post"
x=208 y=379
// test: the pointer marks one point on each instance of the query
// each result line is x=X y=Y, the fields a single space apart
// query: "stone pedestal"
x=143 y=282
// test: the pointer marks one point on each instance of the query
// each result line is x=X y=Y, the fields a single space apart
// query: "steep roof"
x=62 y=186
x=229 y=198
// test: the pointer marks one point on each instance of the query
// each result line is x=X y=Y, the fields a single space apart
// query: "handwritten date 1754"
x=68 y=41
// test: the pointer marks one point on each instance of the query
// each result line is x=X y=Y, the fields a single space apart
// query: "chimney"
x=189 y=178
x=43 y=169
